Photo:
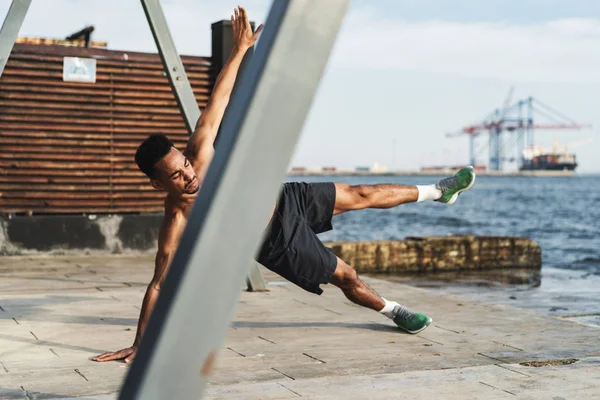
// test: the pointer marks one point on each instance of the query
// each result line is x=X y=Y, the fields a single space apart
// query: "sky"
x=402 y=74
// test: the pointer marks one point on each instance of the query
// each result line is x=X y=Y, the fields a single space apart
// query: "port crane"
x=514 y=122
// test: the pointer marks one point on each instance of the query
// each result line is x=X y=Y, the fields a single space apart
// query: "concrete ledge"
x=61 y=234
x=443 y=253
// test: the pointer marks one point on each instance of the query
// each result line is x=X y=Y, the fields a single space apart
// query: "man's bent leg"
x=358 y=292
x=346 y=278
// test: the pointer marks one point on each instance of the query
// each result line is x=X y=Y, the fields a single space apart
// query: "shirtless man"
x=291 y=247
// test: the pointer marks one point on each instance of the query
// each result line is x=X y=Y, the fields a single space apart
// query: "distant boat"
x=537 y=158
x=550 y=162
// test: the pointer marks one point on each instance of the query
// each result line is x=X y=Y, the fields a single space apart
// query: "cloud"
x=562 y=50
x=123 y=25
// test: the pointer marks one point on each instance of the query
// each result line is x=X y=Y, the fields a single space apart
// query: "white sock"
x=388 y=308
x=428 y=192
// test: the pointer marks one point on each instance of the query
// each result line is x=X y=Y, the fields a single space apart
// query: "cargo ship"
x=536 y=158
x=549 y=162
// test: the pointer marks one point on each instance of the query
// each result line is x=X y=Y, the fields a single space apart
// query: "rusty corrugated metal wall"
x=68 y=148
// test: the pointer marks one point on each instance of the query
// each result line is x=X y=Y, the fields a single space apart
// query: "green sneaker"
x=411 y=321
x=453 y=186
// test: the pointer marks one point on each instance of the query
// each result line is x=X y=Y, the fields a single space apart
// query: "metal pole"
x=254 y=279
x=530 y=122
x=498 y=134
x=491 y=148
x=472 y=149
x=498 y=157
x=182 y=89
x=520 y=138
x=495 y=143
x=172 y=62
x=260 y=131
x=10 y=29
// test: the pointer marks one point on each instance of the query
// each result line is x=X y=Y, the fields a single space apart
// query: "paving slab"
x=56 y=312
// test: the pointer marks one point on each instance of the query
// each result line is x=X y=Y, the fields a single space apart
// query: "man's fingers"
x=110 y=357
x=236 y=13
x=260 y=28
x=103 y=357
x=130 y=358
x=113 y=355
x=244 y=23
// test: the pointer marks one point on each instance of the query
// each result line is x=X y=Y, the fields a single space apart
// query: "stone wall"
x=60 y=234
x=443 y=253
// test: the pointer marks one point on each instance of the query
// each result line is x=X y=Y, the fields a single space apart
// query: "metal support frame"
x=184 y=94
x=260 y=131
x=172 y=62
x=10 y=29
x=254 y=279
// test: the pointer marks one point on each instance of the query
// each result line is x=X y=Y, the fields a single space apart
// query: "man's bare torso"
x=179 y=208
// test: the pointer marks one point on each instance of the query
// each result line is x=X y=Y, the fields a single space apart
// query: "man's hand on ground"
x=126 y=354
x=243 y=36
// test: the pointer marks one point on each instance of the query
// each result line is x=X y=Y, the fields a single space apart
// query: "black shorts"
x=291 y=247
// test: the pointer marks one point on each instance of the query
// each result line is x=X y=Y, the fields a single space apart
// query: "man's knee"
x=345 y=277
x=351 y=197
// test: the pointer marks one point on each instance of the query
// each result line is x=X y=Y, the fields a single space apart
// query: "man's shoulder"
x=171 y=227
x=172 y=212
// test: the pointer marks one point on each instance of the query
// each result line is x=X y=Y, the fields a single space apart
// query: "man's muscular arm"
x=168 y=240
x=200 y=146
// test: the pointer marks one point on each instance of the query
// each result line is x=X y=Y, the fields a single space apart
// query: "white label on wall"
x=77 y=69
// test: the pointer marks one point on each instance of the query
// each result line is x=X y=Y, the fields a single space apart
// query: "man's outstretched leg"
x=358 y=292
x=359 y=197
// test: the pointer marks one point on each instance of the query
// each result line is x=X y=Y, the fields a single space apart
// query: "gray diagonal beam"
x=10 y=29
x=182 y=89
x=260 y=131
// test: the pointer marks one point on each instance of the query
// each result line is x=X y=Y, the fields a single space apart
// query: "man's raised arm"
x=200 y=147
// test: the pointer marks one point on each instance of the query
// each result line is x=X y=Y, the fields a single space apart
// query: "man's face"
x=174 y=173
